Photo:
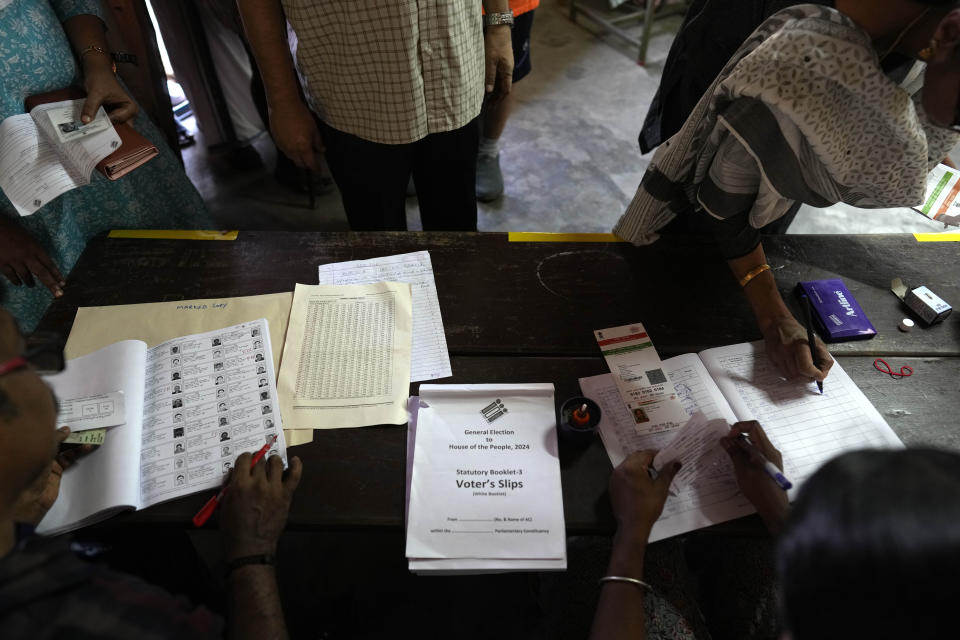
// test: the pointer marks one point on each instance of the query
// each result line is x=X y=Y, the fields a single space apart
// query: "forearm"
x=620 y=609
x=89 y=41
x=254 y=601
x=266 y=30
x=761 y=292
x=496 y=6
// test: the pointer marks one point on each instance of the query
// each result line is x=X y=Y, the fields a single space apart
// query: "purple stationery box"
x=836 y=312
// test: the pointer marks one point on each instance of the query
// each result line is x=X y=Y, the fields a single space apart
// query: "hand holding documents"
x=48 y=152
x=485 y=487
x=695 y=446
x=941 y=202
x=346 y=361
x=191 y=406
x=737 y=383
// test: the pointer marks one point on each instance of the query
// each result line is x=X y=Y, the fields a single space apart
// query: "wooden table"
x=525 y=312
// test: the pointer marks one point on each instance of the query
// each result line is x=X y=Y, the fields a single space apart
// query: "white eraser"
x=906 y=324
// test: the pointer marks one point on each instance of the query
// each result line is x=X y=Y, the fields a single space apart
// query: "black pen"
x=810 y=337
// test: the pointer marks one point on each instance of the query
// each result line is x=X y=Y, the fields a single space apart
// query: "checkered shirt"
x=390 y=71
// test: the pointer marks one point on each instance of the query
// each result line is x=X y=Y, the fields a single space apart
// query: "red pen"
x=204 y=514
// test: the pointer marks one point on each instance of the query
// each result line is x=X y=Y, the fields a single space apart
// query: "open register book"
x=191 y=405
x=735 y=383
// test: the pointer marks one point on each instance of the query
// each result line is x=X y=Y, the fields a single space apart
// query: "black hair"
x=872 y=548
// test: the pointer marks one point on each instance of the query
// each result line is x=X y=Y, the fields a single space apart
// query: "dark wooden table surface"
x=525 y=312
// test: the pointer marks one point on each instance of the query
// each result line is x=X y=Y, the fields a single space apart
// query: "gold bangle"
x=92 y=49
x=753 y=273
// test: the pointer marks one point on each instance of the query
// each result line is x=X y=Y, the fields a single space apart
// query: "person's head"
x=872 y=548
x=28 y=414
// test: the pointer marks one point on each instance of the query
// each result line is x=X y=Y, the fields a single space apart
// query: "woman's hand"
x=22 y=257
x=787 y=347
x=759 y=488
x=104 y=89
x=637 y=498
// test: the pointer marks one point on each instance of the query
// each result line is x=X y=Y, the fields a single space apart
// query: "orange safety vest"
x=522 y=6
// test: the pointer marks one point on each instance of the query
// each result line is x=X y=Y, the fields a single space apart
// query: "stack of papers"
x=346 y=360
x=483 y=480
x=430 y=359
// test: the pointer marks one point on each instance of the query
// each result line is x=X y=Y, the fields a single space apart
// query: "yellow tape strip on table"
x=937 y=237
x=173 y=234
x=524 y=236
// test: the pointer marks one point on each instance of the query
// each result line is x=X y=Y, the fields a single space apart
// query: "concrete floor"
x=569 y=153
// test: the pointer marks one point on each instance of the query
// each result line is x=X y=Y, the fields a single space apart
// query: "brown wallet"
x=133 y=151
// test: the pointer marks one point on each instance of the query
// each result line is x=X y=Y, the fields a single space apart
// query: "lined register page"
x=429 y=358
x=346 y=360
x=807 y=427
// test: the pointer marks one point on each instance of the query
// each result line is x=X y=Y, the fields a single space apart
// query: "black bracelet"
x=263 y=558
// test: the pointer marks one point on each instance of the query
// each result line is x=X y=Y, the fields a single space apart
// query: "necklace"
x=903 y=33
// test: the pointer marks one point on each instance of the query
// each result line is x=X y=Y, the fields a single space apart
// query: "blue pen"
x=775 y=473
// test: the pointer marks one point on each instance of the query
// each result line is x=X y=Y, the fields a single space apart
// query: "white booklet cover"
x=486 y=474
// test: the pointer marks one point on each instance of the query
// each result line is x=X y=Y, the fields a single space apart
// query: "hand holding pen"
x=811 y=337
x=247 y=475
x=758 y=466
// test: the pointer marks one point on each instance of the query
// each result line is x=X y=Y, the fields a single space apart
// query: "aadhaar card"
x=92 y=412
x=644 y=388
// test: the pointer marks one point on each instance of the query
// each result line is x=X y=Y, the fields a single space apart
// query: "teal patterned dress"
x=35 y=57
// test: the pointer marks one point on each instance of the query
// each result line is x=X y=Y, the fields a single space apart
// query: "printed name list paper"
x=486 y=476
x=430 y=359
x=639 y=375
x=346 y=361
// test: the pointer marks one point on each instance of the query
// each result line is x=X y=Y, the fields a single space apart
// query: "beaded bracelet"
x=98 y=49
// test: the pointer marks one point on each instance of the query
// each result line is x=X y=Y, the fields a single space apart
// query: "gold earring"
x=927 y=54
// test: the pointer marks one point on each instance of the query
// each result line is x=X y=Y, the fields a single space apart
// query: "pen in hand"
x=811 y=339
x=771 y=469
x=204 y=514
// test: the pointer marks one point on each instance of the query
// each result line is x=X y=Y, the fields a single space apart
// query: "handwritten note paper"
x=430 y=359
x=695 y=446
